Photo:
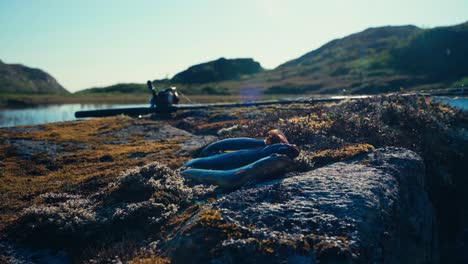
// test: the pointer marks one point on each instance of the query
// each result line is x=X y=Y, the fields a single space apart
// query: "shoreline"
x=15 y=101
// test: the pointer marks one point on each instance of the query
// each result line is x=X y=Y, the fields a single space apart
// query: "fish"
x=232 y=144
x=274 y=137
x=266 y=167
x=243 y=157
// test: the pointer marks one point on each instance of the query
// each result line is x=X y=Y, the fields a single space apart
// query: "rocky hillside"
x=192 y=80
x=348 y=212
x=376 y=60
x=219 y=70
x=17 y=78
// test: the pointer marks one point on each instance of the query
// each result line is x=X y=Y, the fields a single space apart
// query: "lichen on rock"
x=354 y=211
x=146 y=195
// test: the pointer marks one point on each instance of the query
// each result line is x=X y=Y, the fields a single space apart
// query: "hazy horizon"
x=88 y=43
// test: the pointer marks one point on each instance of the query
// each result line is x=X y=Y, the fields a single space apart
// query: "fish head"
x=275 y=137
x=291 y=150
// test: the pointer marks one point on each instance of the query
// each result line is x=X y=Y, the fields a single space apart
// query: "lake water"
x=50 y=113
x=66 y=112
x=459 y=102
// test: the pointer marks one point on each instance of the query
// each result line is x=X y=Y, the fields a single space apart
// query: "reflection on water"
x=50 y=113
x=460 y=102
x=66 y=112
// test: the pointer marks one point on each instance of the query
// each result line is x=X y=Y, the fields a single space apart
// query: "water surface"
x=50 y=113
x=459 y=102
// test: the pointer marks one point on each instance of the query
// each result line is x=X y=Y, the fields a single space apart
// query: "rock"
x=371 y=209
x=26 y=148
x=149 y=132
x=143 y=196
x=196 y=143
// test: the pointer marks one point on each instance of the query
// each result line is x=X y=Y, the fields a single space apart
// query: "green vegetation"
x=117 y=88
x=376 y=60
x=439 y=53
x=463 y=82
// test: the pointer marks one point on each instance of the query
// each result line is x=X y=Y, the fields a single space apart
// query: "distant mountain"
x=357 y=63
x=19 y=79
x=219 y=70
x=376 y=60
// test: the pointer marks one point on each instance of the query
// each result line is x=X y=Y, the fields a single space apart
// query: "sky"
x=95 y=43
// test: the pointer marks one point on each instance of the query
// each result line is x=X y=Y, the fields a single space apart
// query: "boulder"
x=371 y=209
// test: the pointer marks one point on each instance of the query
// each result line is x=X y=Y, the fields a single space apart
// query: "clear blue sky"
x=89 y=43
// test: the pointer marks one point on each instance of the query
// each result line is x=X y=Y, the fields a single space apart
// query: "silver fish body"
x=271 y=165
x=240 y=158
x=232 y=144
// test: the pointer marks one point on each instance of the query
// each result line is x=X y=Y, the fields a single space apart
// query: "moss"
x=334 y=155
x=333 y=249
x=215 y=227
x=74 y=168
x=201 y=237
x=309 y=160
x=150 y=260
x=176 y=222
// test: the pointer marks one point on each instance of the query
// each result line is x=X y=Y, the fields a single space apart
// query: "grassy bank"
x=30 y=100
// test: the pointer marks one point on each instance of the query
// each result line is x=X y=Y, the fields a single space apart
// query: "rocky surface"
x=142 y=196
x=370 y=209
x=27 y=149
x=149 y=132
x=63 y=181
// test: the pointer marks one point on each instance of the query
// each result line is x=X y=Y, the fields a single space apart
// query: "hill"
x=117 y=88
x=376 y=60
x=17 y=78
x=218 y=70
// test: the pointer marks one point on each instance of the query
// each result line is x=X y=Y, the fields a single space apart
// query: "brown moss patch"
x=335 y=249
x=176 y=222
x=214 y=226
x=150 y=260
x=201 y=239
x=312 y=122
x=82 y=170
x=335 y=155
